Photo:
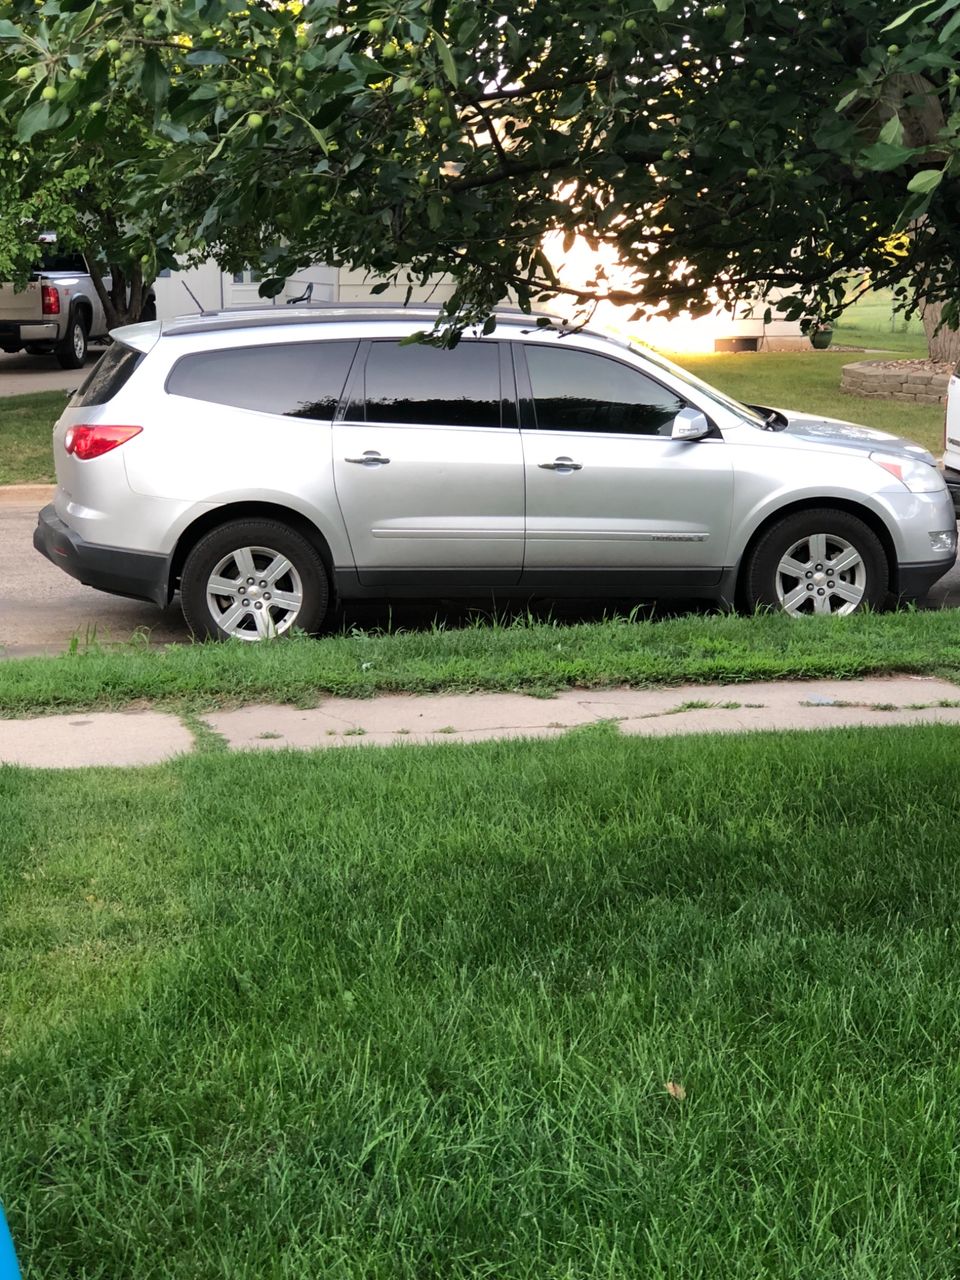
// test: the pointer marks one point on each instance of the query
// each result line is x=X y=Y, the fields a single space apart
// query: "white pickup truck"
x=59 y=310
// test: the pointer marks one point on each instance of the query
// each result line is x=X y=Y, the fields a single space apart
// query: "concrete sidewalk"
x=149 y=737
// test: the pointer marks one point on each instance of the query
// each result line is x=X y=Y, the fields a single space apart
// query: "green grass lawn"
x=411 y=1013
x=810 y=381
x=26 y=423
x=527 y=655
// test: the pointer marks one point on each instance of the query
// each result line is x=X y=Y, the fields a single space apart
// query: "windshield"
x=648 y=353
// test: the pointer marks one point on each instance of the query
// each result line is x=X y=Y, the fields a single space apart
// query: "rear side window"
x=107 y=376
x=432 y=386
x=294 y=380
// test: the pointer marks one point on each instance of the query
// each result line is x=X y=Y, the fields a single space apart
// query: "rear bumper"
x=17 y=332
x=141 y=575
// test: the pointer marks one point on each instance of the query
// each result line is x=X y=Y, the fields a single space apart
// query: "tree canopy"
x=749 y=146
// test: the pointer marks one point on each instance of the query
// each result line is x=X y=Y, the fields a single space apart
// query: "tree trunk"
x=944 y=345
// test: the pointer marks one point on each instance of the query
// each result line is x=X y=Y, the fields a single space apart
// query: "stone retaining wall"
x=905 y=380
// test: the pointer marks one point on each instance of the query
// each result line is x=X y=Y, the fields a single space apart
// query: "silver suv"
x=266 y=464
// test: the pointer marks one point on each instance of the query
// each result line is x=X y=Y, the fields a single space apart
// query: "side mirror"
x=690 y=424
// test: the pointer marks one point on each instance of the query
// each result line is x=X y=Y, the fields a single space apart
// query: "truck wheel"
x=71 y=351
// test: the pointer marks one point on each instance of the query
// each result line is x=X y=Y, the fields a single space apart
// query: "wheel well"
x=869 y=518
x=245 y=511
x=82 y=308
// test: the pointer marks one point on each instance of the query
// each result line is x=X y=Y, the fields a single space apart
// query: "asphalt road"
x=21 y=375
x=42 y=610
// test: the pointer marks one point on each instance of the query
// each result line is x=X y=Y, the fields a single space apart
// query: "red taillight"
x=86 y=442
x=51 y=299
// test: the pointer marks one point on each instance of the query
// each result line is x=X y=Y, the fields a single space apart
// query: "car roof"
x=329 y=313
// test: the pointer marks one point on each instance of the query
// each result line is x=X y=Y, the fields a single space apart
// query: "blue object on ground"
x=8 y=1259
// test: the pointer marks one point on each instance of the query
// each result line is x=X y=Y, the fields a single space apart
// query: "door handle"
x=370 y=458
x=561 y=464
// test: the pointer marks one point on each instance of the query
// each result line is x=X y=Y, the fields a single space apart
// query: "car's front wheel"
x=251 y=580
x=820 y=561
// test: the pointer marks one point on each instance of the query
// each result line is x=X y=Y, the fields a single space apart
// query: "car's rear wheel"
x=252 y=580
x=71 y=351
x=821 y=561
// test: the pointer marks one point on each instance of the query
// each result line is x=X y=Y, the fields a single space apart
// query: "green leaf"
x=35 y=119
x=892 y=131
x=9 y=32
x=446 y=59
x=206 y=58
x=847 y=98
x=154 y=79
x=925 y=181
x=662 y=6
x=950 y=28
x=905 y=17
x=884 y=156
x=272 y=286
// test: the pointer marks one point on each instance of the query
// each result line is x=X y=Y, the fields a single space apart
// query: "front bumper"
x=141 y=575
x=952 y=479
x=915 y=580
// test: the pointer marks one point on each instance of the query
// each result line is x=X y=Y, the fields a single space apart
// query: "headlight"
x=918 y=477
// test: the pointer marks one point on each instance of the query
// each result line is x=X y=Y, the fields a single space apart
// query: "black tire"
x=71 y=351
x=769 y=584
x=262 y=539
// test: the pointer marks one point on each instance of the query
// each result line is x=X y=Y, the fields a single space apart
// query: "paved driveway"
x=21 y=374
x=43 y=609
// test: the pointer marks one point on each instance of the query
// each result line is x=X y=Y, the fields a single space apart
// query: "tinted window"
x=458 y=387
x=107 y=376
x=578 y=391
x=296 y=380
x=64 y=262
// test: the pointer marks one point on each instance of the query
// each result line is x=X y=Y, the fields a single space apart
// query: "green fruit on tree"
x=753 y=173
x=77 y=73
x=771 y=88
x=126 y=57
x=788 y=166
x=417 y=90
x=424 y=179
x=952 y=79
x=733 y=124
x=268 y=92
x=445 y=123
x=113 y=46
x=94 y=107
x=826 y=24
x=893 y=49
x=208 y=33
x=666 y=155
x=434 y=94
x=149 y=19
x=390 y=49
x=630 y=24
x=286 y=65
x=608 y=37
x=230 y=101
x=254 y=121
x=49 y=94
x=375 y=27
x=300 y=74
x=303 y=40
x=24 y=73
